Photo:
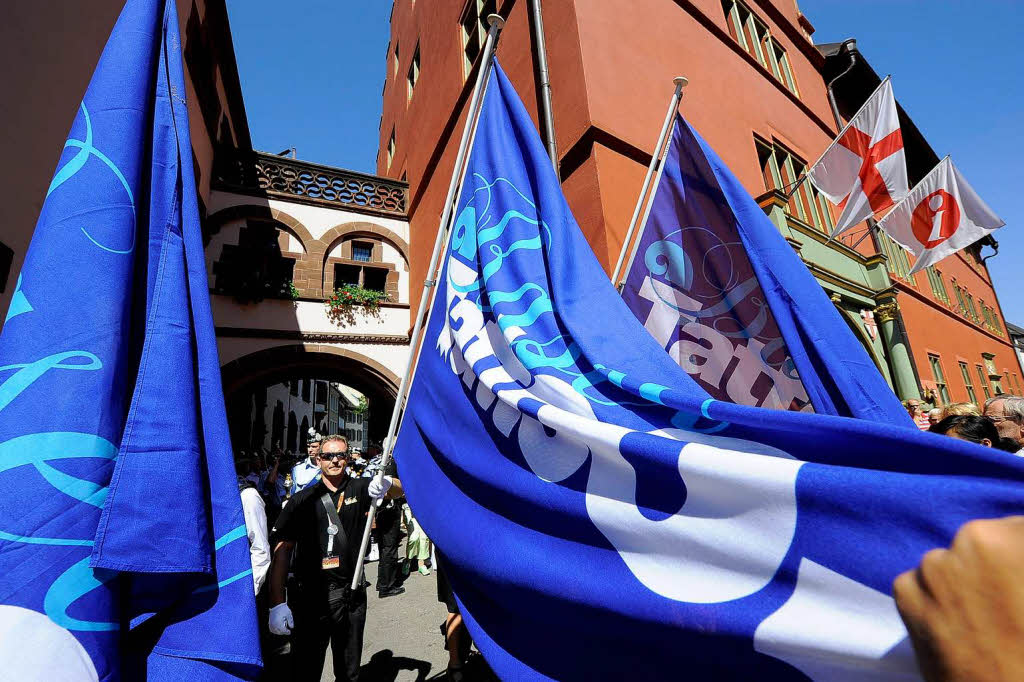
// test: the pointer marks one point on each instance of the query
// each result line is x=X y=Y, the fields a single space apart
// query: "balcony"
x=277 y=177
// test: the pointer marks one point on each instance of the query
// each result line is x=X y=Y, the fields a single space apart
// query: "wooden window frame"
x=935 y=361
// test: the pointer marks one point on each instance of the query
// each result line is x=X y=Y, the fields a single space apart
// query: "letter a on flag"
x=864 y=170
x=940 y=216
x=722 y=291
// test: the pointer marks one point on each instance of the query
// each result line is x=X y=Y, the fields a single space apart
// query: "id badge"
x=330 y=562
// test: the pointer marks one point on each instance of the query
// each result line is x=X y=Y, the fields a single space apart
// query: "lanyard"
x=333 y=523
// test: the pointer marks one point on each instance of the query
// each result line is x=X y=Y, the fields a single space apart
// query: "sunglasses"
x=333 y=455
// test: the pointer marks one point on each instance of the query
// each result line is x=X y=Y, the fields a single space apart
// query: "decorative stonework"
x=836 y=298
x=294 y=180
x=886 y=312
x=313 y=337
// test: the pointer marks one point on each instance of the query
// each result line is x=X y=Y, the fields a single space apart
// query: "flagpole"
x=680 y=83
x=496 y=23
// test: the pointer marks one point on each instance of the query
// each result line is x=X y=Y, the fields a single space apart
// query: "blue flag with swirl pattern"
x=602 y=517
x=123 y=551
x=730 y=301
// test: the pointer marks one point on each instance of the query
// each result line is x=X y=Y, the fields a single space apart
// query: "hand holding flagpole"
x=496 y=23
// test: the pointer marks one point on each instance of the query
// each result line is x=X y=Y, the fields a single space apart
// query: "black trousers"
x=389 y=533
x=341 y=624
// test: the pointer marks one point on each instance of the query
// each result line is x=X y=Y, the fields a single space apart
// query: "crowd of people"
x=996 y=424
x=305 y=519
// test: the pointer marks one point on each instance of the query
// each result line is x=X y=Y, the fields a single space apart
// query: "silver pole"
x=544 y=100
x=496 y=23
x=680 y=83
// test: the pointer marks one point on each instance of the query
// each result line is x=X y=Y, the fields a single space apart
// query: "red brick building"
x=759 y=94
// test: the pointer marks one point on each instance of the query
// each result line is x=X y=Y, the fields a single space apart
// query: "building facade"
x=758 y=93
x=281 y=234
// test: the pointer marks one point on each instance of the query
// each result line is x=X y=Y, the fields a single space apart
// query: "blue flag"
x=123 y=550
x=602 y=517
x=723 y=292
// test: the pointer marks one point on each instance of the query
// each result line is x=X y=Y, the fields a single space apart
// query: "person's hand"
x=281 y=620
x=964 y=607
x=379 y=487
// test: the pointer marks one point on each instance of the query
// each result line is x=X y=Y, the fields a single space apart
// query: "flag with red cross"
x=864 y=171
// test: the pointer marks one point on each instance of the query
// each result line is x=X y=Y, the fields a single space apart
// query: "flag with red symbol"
x=940 y=216
x=863 y=171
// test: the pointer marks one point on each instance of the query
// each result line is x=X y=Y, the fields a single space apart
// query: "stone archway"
x=331 y=363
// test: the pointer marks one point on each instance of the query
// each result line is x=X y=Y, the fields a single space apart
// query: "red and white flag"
x=940 y=216
x=864 y=171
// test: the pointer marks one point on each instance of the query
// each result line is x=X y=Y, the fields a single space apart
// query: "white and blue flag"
x=123 y=548
x=602 y=517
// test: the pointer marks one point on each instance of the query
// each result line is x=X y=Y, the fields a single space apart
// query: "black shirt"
x=304 y=521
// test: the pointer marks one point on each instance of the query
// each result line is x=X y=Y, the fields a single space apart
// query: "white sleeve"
x=256 y=529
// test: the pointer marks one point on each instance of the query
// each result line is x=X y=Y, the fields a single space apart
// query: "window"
x=293 y=387
x=940 y=379
x=362 y=251
x=984 y=382
x=966 y=374
x=997 y=326
x=938 y=286
x=896 y=259
x=391 y=148
x=363 y=276
x=960 y=298
x=414 y=72
x=754 y=37
x=970 y=307
x=780 y=169
x=474 y=30
x=6 y=260
x=394 y=61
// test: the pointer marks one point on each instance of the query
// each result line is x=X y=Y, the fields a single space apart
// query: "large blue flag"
x=724 y=293
x=123 y=551
x=602 y=517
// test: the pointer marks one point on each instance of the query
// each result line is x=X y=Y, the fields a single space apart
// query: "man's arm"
x=279 y=571
x=396 y=488
x=256 y=528
x=964 y=607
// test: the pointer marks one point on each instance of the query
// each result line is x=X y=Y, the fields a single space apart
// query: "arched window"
x=304 y=431
x=277 y=429
x=293 y=432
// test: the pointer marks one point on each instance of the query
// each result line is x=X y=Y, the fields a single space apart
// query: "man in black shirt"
x=324 y=524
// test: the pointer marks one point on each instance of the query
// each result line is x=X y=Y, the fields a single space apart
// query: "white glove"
x=281 y=621
x=379 y=487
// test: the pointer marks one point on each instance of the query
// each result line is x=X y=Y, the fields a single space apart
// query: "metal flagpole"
x=496 y=23
x=680 y=83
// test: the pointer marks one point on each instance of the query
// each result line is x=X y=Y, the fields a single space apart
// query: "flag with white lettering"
x=123 y=548
x=723 y=292
x=864 y=171
x=940 y=216
x=602 y=517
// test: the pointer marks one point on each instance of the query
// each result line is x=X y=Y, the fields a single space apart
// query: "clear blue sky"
x=312 y=79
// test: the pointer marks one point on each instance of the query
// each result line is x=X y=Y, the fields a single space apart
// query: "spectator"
x=913 y=406
x=456 y=637
x=324 y=525
x=388 y=533
x=417 y=544
x=934 y=416
x=1007 y=413
x=254 y=511
x=968 y=427
x=959 y=410
x=307 y=472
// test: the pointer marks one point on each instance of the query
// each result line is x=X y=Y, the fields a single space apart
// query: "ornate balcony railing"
x=293 y=180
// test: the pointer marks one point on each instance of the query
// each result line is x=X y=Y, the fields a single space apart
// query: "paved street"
x=402 y=641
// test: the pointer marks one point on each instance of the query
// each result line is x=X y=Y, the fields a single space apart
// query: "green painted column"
x=899 y=356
